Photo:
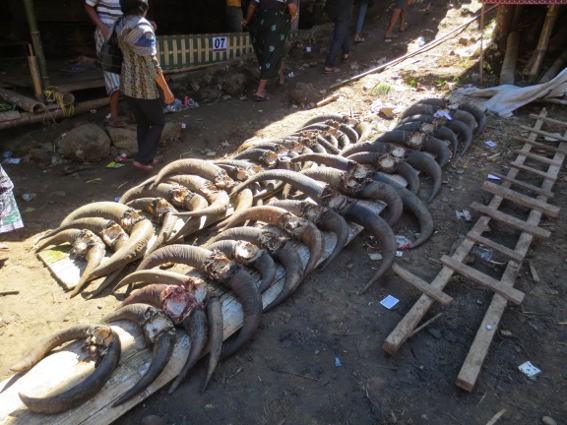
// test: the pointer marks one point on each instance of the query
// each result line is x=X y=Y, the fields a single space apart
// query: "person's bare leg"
x=114 y=101
x=395 y=16
x=281 y=74
x=261 y=90
x=403 y=24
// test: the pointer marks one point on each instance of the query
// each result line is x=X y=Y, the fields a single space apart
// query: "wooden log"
x=554 y=69
x=504 y=19
x=537 y=58
x=508 y=71
x=23 y=102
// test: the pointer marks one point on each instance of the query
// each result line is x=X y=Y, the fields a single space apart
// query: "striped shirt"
x=107 y=10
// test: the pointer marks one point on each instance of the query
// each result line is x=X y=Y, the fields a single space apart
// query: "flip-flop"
x=346 y=57
x=258 y=98
x=331 y=70
x=144 y=167
x=4 y=247
x=359 y=40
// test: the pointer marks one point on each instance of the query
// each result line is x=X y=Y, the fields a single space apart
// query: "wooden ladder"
x=503 y=289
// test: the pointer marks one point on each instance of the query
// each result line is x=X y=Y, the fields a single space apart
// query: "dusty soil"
x=289 y=372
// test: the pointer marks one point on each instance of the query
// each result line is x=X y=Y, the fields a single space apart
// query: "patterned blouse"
x=140 y=67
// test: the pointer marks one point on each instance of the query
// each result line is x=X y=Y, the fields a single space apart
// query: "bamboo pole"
x=29 y=118
x=555 y=67
x=36 y=41
x=508 y=70
x=35 y=74
x=550 y=18
x=426 y=47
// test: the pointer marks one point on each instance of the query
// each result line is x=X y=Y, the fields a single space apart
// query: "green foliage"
x=381 y=89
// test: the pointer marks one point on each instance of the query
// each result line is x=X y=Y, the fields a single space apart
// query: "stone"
x=303 y=94
x=124 y=139
x=171 y=131
x=235 y=84
x=86 y=143
x=548 y=420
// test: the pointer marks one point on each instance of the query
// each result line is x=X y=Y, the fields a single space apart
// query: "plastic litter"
x=421 y=41
x=482 y=252
x=403 y=242
x=389 y=302
x=493 y=177
x=490 y=144
x=338 y=362
x=529 y=369
x=28 y=197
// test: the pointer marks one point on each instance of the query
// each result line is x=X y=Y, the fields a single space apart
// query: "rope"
x=53 y=94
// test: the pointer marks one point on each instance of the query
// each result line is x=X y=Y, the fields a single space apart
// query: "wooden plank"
x=538 y=145
x=511 y=294
x=411 y=320
x=549 y=120
x=536 y=157
x=525 y=185
x=510 y=220
x=519 y=198
x=532 y=170
x=553 y=136
x=510 y=253
x=422 y=285
x=479 y=349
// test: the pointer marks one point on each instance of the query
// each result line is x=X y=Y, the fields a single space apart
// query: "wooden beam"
x=510 y=253
x=536 y=157
x=510 y=220
x=422 y=285
x=526 y=201
x=525 y=185
x=547 y=134
x=535 y=171
x=507 y=291
x=543 y=146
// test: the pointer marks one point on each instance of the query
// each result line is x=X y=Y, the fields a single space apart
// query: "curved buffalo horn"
x=92 y=247
x=161 y=190
x=477 y=113
x=438 y=148
x=47 y=344
x=149 y=294
x=219 y=205
x=111 y=210
x=140 y=235
x=301 y=229
x=310 y=187
x=364 y=131
x=413 y=140
x=199 y=167
x=419 y=108
x=215 y=322
x=333 y=161
x=100 y=339
x=381 y=232
x=325 y=117
x=426 y=164
x=354 y=149
x=244 y=200
x=195 y=325
x=67 y=235
x=389 y=164
x=280 y=249
x=219 y=268
x=248 y=254
x=330 y=176
x=439 y=131
x=165 y=214
x=324 y=218
x=464 y=131
x=415 y=205
x=262 y=156
x=378 y=191
x=94 y=224
x=154 y=276
x=327 y=145
x=158 y=330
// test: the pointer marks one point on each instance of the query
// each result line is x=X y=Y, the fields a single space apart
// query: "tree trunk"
x=504 y=19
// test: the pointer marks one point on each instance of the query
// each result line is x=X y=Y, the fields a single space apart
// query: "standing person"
x=234 y=15
x=104 y=14
x=340 y=12
x=10 y=218
x=142 y=78
x=399 y=13
x=363 y=6
x=272 y=25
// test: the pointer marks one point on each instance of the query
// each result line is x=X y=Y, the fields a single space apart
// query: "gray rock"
x=124 y=139
x=87 y=143
x=235 y=84
x=171 y=131
x=548 y=421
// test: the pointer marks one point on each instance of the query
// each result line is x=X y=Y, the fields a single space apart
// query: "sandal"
x=144 y=167
x=346 y=57
x=4 y=247
x=331 y=70
x=258 y=98
x=404 y=27
x=359 y=39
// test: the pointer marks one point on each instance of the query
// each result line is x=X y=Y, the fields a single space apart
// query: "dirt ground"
x=318 y=358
